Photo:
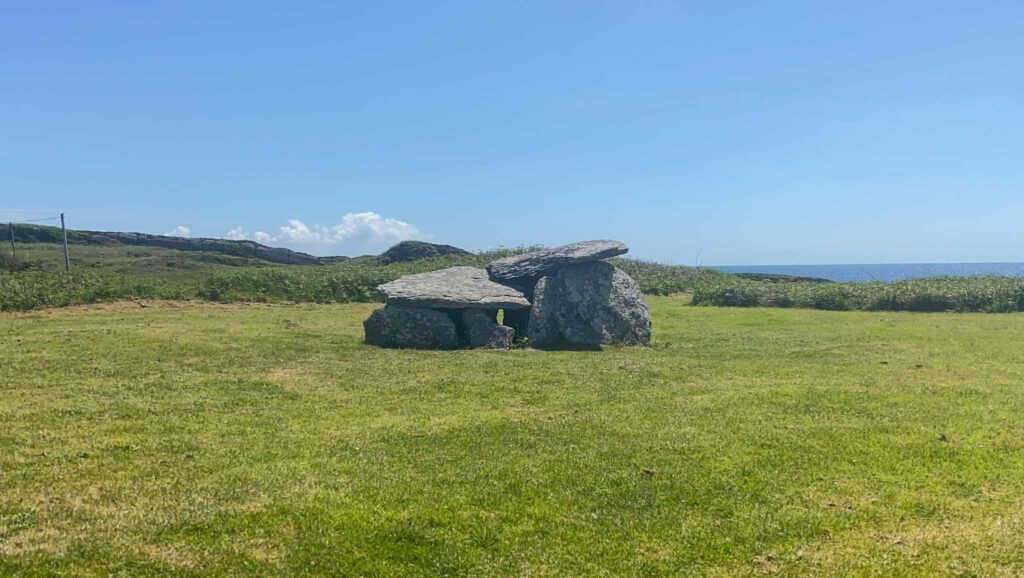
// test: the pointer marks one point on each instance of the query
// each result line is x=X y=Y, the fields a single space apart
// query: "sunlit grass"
x=186 y=439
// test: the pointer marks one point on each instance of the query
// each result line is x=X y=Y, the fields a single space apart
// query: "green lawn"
x=193 y=439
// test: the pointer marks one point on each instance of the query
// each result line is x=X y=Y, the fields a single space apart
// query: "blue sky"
x=717 y=132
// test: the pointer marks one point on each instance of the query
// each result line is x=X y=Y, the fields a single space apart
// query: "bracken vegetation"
x=344 y=282
x=352 y=281
x=108 y=273
x=967 y=294
x=658 y=279
x=35 y=290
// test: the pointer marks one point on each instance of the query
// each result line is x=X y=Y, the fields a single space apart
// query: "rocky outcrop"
x=482 y=331
x=411 y=327
x=403 y=252
x=539 y=263
x=589 y=305
x=453 y=288
x=407 y=251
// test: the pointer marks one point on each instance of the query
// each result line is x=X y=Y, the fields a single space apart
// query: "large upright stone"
x=542 y=326
x=453 y=288
x=411 y=327
x=589 y=305
x=540 y=263
x=482 y=331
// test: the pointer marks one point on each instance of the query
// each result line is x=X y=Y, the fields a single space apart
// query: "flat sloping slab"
x=540 y=263
x=453 y=288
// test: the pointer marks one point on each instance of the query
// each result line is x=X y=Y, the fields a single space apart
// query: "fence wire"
x=8 y=239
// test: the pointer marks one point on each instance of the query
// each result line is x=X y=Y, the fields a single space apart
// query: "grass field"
x=186 y=439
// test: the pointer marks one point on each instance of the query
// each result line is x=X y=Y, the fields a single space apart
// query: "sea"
x=883 y=272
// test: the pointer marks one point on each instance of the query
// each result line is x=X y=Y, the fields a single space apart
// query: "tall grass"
x=658 y=279
x=339 y=283
x=968 y=294
x=36 y=290
x=355 y=280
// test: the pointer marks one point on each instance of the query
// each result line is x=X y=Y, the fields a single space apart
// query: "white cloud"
x=297 y=232
x=240 y=234
x=179 y=231
x=355 y=233
x=374 y=227
x=261 y=237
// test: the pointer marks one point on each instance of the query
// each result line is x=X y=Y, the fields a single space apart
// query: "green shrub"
x=658 y=279
x=356 y=280
x=34 y=290
x=980 y=294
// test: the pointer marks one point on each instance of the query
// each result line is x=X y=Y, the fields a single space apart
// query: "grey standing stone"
x=410 y=327
x=453 y=288
x=542 y=327
x=483 y=332
x=540 y=263
x=589 y=305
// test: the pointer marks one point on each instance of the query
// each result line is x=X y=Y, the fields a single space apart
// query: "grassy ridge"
x=967 y=294
x=132 y=260
x=356 y=282
x=29 y=234
x=110 y=273
x=339 y=283
x=342 y=282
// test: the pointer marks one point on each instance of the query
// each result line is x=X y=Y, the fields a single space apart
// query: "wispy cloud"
x=366 y=232
x=179 y=231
